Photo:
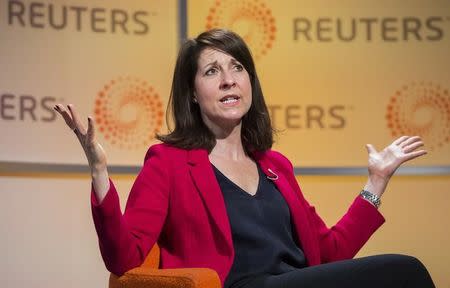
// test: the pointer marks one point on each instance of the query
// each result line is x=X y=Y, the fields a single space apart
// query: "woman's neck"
x=228 y=143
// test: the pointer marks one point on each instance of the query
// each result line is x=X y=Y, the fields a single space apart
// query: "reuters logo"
x=421 y=109
x=128 y=112
x=252 y=20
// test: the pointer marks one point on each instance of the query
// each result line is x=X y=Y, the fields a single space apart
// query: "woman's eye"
x=239 y=67
x=211 y=71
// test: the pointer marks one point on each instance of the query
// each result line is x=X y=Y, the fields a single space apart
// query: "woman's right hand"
x=95 y=153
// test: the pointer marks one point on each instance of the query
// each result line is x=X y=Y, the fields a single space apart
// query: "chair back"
x=152 y=259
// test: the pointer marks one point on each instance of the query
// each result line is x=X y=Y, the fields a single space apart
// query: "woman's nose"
x=228 y=80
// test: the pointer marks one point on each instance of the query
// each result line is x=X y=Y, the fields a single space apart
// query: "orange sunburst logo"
x=252 y=20
x=423 y=109
x=128 y=112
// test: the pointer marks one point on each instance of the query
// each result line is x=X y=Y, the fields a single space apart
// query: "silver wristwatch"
x=372 y=198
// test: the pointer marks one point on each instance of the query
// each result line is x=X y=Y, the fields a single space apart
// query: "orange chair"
x=149 y=276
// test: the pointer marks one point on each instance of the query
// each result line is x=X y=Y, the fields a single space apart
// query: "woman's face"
x=222 y=89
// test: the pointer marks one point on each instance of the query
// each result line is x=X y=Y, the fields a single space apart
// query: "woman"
x=214 y=195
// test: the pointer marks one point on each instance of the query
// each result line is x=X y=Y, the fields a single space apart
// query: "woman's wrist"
x=100 y=182
x=371 y=198
x=98 y=169
x=376 y=184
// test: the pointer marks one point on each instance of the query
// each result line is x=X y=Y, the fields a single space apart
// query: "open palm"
x=95 y=153
x=385 y=162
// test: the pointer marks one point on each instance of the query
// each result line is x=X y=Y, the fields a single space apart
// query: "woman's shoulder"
x=274 y=154
x=276 y=157
x=165 y=151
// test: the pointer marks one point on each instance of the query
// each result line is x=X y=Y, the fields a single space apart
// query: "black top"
x=261 y=231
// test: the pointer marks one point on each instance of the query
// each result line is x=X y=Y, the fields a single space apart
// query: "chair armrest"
x=144 y=277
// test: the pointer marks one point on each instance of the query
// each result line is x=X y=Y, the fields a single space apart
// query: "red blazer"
x=177 y=202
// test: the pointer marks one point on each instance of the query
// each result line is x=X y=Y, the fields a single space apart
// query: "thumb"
x=370 y=148
x=90 y=131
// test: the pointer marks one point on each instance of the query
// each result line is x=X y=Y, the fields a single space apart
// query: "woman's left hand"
x=385 y=162
x=382 y=164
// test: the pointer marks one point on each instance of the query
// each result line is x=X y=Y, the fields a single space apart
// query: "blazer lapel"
x=204 y=179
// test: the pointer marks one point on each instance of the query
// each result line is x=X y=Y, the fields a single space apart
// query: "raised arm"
x=383 y=164
x=343 y=240
x=94 y=152
x=124 y=239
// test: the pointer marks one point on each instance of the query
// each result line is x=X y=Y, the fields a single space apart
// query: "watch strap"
x=372 y=198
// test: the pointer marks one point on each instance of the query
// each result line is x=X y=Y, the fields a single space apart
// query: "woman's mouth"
x=229 y=99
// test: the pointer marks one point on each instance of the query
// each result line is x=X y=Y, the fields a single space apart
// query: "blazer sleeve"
x=344 y=239
x=126 y=239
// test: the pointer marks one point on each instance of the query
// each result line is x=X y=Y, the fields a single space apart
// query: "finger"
x=414 y=154
x=370 y=148
x=409 y=141
x=400 y=140
x=90 y=130
x=412 y=147
x=78 y=125
x=66 y=116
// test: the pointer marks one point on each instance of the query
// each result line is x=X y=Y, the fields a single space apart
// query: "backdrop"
x=338 y=75
x=335 y=77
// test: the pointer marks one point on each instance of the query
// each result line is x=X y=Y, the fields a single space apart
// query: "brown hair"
x=190 y=132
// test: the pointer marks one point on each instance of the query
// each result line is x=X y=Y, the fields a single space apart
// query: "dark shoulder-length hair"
x=189 y=131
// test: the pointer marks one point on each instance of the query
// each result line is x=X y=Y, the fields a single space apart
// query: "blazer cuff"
x=109 y=204
x=371 y=215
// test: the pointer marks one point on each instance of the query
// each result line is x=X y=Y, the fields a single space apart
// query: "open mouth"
x=229 y=99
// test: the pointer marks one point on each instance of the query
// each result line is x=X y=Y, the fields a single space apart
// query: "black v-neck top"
x=261 y=231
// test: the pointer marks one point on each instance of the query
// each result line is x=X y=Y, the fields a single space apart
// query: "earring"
x=194 y=100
